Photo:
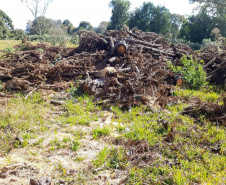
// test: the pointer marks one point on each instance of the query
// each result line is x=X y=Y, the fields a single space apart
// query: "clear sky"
x=76 y=11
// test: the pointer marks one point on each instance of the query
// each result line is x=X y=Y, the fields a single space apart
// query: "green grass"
x=65 y=142
x=204 y=94
x=23 y=117
x=113 y=158
x=81 y=113
x=98 y=132
x=200 y=146
x=6 y=43
x=196 y=155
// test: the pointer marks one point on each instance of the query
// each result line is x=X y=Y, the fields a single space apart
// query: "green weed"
x=192 y=71
x=75 y=146
x=78 y=158
x=80 y=113
x=98 y=132
x=9 y=49
x=113 y=158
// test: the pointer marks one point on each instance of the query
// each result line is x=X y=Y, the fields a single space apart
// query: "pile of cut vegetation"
x=119 y=67
x=177 y=137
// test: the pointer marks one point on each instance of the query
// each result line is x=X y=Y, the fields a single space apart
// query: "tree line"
x=208 y=22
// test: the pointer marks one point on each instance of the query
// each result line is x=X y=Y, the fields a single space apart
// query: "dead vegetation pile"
x=119 y=67
x=215 y=112
x=215 y=64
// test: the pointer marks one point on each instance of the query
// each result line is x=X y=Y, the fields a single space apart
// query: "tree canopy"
x=151 y=18
x=38 y=9
x=176 y=22
x=5 y=25
x=215 y=7
x=43 y=23
x=85 y=25
x=120 y=14
x=197 y=27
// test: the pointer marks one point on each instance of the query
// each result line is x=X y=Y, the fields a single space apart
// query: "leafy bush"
x=55 y=37
x=192 y=71
x=208 y=42
x=193 y=45
x=58 y=36
x=44 y=38
x=9 y=49
x=74 y=39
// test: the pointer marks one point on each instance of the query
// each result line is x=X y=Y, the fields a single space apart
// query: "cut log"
x=121 y=48
x=179 y=81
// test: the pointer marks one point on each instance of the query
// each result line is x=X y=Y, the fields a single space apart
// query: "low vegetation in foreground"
x=72 y=140
x=145 y=147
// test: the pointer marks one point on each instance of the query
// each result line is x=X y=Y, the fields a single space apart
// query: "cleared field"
x=71 y=139
x=7 y=43
x=78 y=142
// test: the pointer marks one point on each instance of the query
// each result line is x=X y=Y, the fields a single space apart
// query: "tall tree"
x=151 y=18
x=5 y=25
x=215 y=7
x=120 y=14
x=68 y=27
x=67 y=23
x=38 y=9
x=142 y=17
x=197 y=27
x=85 y=25
x=176 y=21
x=47 y=24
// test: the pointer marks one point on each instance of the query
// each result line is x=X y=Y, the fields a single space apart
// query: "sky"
x=93 y=11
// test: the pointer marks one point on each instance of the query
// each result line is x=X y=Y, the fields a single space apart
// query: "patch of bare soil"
x=39 y=164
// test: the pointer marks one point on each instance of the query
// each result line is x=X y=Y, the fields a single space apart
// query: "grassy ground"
x=6 y=43
x=87 y=144
x=78 y=142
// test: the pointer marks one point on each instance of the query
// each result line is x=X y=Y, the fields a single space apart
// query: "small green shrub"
x=192 y=71
x=74 y=39
x=9 y=49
